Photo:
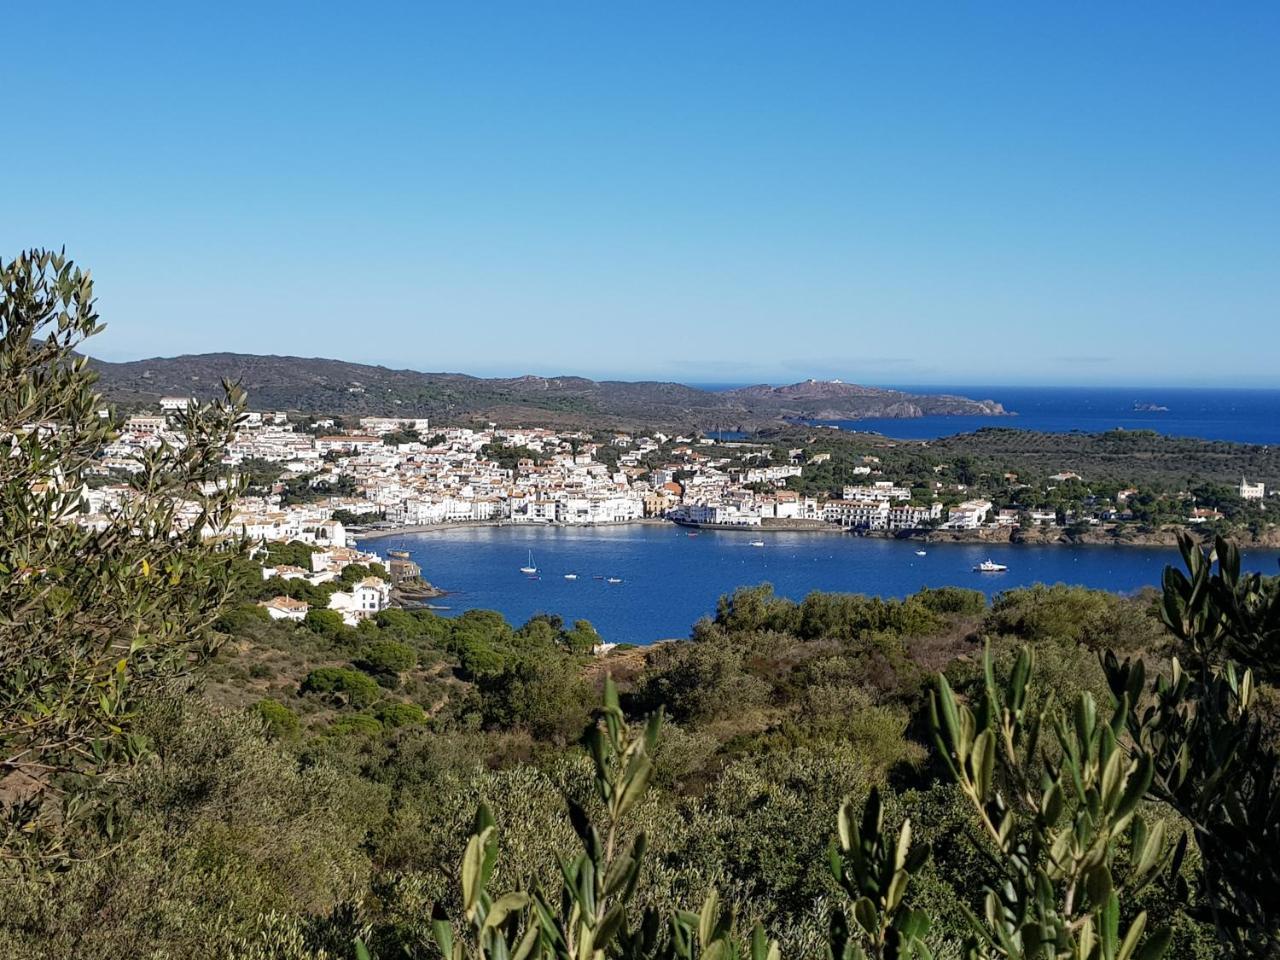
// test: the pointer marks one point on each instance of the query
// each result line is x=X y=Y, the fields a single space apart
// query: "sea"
x=668 y=579
x=1240 y=416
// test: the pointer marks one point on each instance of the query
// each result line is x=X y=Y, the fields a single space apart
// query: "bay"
x=669 y=579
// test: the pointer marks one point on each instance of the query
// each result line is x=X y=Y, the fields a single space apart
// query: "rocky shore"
x=1105 y=535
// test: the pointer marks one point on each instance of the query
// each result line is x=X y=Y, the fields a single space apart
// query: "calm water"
x=1245 y=416
x=671 y=579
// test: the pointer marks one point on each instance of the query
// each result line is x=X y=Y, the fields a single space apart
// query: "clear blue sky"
x=892 y=193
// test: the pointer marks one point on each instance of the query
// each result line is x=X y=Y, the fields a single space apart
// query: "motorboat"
x=757 y=543
x=990 y=566
x=571 y=576
x=613 y=580
x=922 y=553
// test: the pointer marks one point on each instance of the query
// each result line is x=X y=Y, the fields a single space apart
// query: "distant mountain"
x=338 y=387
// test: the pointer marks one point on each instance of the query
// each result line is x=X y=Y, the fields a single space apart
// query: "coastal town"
x=312 y=479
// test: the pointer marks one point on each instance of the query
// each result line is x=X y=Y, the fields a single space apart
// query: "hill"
x=338 y=387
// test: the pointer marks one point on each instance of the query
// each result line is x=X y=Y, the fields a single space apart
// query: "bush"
x=583 y=638
x=698 y=682
x=342 y=685
x=357 y=724
x=400 y=714
x=241 y=619
x=280 y=720
x=325 y=623
x=387 y=657
x=548 y=697
x=952 y=600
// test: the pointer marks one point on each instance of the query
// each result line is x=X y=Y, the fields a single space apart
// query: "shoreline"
x=1003 y=536
x=380 y=534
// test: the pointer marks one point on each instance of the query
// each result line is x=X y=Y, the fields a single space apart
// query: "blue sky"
x=891 y=193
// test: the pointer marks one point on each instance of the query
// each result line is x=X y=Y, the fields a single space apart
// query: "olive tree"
x=96 y=612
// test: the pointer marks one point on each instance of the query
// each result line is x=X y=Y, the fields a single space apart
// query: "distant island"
x=338 y=387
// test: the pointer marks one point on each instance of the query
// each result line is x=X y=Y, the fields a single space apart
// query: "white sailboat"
x=529 y=567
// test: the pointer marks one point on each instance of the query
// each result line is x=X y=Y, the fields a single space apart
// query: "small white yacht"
x=757 y=543
x=529 y=567
x=571 y=576
x=990 y=566
x=922 y=553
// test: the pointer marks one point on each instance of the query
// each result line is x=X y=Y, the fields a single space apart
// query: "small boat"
x=529 y=567
x=922 y=553
x=613 y=580
x=692 y=533
x=438 y=606
x=757 y=543
x=571 y=576
x=990 y=566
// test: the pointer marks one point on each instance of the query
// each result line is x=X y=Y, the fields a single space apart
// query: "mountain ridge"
x=340 y=387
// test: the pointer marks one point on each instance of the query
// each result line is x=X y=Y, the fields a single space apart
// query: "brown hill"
x=338 y=387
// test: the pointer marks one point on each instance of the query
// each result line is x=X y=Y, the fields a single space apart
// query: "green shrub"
x=280 y=720
x=242 y=619
x=952 y=600
x=356 y=724
x=546 y=696
x=342 y=685
x=400 y=714
x=326 y=623
x=388 y=657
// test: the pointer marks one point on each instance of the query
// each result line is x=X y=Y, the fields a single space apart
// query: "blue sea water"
x=670 y=579
x=1243 y=416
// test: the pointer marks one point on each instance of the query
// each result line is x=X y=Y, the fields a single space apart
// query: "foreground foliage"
x=92 y=619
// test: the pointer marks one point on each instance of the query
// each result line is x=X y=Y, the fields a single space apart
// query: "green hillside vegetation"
x=318 y=386
x=1060 y=773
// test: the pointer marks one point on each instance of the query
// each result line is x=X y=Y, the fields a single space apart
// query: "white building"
x=880 y=490
x=969 y=515
x=364 y=601
x=1251 y=491
x=722 y=514
x=285 y=608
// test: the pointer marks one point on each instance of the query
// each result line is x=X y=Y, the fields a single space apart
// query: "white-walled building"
x=969 y=515
x=286 y=608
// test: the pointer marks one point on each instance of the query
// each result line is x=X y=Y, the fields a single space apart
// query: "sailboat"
x=529 y=568
x=922 y=553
